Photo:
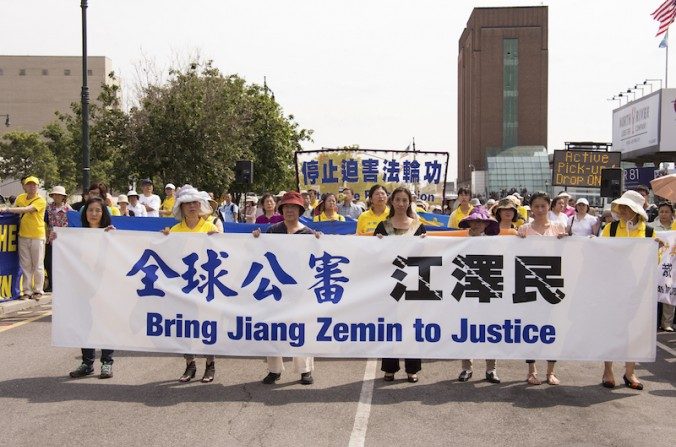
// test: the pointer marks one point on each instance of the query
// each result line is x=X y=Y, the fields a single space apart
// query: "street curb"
x=10 y=306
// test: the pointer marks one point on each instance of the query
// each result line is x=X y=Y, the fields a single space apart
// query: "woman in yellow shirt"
x=632 y=223
x=189 y=208
x=329 y=208
x=378 y=212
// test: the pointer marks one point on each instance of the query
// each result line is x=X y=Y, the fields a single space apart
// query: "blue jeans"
x=89 y=355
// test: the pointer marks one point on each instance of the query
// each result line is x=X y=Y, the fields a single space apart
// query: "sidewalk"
x=10 y=306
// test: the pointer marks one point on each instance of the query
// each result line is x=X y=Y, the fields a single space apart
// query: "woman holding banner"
x=542 y=226
x=291 y=207
x=377 y=212
x=401 y=221
x=329 y=210
x=94 y=215
x=632 y=223
x=191 y=209
x=480 y=223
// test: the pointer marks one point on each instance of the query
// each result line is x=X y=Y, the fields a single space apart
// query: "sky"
x=376 y=73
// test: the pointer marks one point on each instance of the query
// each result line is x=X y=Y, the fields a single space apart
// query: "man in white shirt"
x=134 y=204
x=347 y=208
x=150 y=201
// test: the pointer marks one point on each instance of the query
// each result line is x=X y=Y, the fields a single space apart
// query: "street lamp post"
x=6 y=115
x=85 y=103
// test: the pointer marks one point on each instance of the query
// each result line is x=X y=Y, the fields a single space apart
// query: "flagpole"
x=666 y=64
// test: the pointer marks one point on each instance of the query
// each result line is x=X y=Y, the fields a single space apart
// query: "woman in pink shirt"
x=541 y=226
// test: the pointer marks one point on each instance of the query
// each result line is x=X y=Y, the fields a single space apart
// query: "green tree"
x=108 y=136
x=25 y=153
x=196 y=126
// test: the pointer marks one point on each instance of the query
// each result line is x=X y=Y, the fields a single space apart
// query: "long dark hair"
x=105 y=215
x=409 y=211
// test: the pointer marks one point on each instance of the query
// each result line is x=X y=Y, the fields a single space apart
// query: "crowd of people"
x=383 y=214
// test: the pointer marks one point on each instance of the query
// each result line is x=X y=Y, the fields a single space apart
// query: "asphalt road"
x=143 y=404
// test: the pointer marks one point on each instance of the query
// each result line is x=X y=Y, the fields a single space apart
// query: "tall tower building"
x=502 y=84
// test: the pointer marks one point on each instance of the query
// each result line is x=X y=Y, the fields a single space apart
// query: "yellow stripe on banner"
x=30 y=320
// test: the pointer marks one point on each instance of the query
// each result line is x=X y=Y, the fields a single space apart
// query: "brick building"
x=502 y=84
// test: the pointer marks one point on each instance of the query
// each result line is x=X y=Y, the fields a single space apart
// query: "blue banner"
x=10 y=272
x=438 y=222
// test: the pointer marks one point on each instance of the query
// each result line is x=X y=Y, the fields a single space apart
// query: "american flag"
x=665 y=14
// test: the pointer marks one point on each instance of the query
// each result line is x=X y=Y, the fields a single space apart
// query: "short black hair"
x=463 y=190
x=540 y=195
x=667 y=204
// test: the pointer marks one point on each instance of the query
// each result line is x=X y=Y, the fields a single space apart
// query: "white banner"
x=636 y=125
x=666 y=274
x=350 y=296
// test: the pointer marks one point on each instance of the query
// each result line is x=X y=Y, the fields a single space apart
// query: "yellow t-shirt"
x=458 y=215
x=32 y=225
x=673 y=225
x=638 y=231
x=168 y=204
x=368 y=220
x=202 y=227
x=324 y=218
x=114 y=211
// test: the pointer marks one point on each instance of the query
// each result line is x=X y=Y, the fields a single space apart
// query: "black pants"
x=391 y=366
x=533 y=361
x=48 y=267
x=89 y=355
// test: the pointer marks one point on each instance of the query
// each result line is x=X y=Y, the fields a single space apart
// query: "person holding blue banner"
x=632 y=223
x=542 y=226
x=377 y=212
x=190 y=209
x=329 y=210
x=401 y=221
x=291 y=206
x=32 y=236
x=480 y=223
x=94 y=214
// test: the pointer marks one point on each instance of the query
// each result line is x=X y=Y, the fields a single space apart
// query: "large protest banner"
x=10 y=272
x=330 y=170
x=582 y=168
x=350 y=296
x=666 y=274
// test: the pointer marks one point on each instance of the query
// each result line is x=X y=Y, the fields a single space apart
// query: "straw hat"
x=479 y=214
x=634 y=201
x=60 y=190
x=132 y=193
x=504 y=204
x=291 y=198
x=252 y=198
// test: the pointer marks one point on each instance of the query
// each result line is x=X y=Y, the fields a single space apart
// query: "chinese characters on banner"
x=666 y=274
x=350 y=296
x=330 y=170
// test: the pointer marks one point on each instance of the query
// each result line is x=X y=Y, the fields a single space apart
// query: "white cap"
x=122 y=199
x=582 y=200
x=132 y=193
x=170 y=185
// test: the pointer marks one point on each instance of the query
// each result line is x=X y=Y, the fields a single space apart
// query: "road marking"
x=666 y=348
x=361 y=418
x=21 y=323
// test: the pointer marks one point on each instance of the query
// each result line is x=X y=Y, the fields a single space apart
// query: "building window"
x=22 y=72
x=90 y=73
x=66 y=72
x=45 y=72
x=510 y=92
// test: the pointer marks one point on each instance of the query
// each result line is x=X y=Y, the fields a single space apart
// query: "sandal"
x=608 y=383
x=389 y=377
x=209 y=373
x=413 y=378
x=190 y=370
x=533 y=379
x=552 y=379
x=633 y=385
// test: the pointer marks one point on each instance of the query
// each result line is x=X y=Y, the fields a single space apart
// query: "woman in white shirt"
x=581 y=223
x=556 y=209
